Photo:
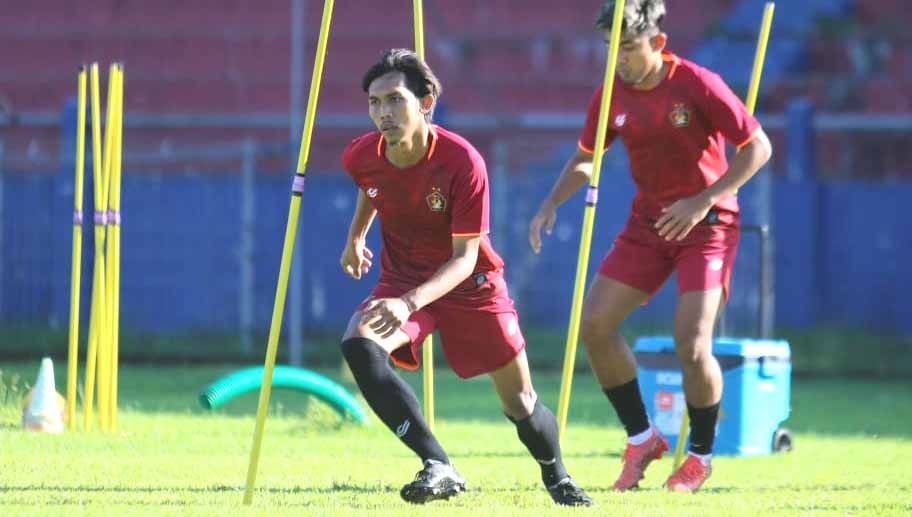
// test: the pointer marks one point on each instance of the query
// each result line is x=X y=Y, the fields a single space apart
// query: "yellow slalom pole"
x=427 y=349
x=288 y=251
x=760 y=56
x=113 y=243
x=751 y=104
x=683 y=431
x=104 y=343
x=588 y=220
x=418 y=9
x=76 y=263
x=96 y=325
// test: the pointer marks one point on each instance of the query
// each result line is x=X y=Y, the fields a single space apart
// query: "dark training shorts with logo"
x=703 y=260
x=476 y=337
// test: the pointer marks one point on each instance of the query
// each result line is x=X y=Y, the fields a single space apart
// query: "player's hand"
x=678 y=219
x=546 y=217
x=386 y=315
x=356 y=259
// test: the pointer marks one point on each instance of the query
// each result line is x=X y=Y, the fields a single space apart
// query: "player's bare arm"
x=386 y=315
x=576 y=173
x=356 y=257
x=678 y=219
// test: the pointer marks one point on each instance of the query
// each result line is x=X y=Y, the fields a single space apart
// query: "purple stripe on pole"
x=298 y=185
x=113 y=217
x=101 y=217
x=592 y=195
x=77 y=217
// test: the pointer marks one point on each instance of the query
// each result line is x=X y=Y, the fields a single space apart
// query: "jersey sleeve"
x=725 y=111
x=470 y=214
x=587 y=137
x=348 y=158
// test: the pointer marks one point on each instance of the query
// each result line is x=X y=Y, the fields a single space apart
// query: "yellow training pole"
x=288 y=251
x=683 y=431
x=427 y=349
x=96 y=325
x=76 y=263
x=588 y=220
x=760 y=56
x=104 y=344
x=751 y=104
x=113 y=243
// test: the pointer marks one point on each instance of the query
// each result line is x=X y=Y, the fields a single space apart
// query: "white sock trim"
x=704 y=458
x=641 y=438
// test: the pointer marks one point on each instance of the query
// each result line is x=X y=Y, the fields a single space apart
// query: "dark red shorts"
x=702 y=261
x=479 y=333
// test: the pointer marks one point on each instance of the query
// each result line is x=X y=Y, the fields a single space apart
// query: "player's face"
x=637 y=56
x=395 y=110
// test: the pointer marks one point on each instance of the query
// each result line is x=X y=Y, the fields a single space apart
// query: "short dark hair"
x=419 y=78
x=640 y=16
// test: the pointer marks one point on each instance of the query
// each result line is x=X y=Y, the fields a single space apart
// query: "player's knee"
x=693 y=351
x=362 y=355
x=519 y=406
x=693 y=342
x=597 y=332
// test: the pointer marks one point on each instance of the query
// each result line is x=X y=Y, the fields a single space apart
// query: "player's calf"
x=538 y=432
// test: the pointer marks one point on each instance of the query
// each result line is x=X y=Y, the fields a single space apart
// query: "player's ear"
x=659 y=41
x=426 y=104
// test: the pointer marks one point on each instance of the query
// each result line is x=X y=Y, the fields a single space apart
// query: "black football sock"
x=628 y=403
x=702 y=428
x=391 y=398
x=538 y=432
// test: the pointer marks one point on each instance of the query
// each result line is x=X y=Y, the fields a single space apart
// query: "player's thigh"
x=609 y=302
x=695 y=318
x=478 y=341
x=706 y=258
x=359 y=328
x=513 y=383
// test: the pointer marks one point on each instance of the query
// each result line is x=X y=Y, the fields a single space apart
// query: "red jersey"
x=674 y=133
x=423 y=206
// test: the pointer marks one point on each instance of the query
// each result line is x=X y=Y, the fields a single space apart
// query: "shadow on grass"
x=335 y=487
x=70 y=495
x=849 y=487
x=575 y=454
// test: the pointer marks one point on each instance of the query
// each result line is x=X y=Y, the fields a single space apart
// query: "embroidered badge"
x=680 y=115
x=436 y=201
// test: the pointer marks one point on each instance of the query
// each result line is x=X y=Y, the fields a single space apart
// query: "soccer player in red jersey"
x=674 y=118
x=437 y=270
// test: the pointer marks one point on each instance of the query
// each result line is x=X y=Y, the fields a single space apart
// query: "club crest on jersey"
x=436 y=201
x=620 y=120
x=372 y=192
x=680 y=115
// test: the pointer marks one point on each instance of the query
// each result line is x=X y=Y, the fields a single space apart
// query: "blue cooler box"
x=755 y=399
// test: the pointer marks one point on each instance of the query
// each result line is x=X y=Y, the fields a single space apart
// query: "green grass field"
x=853 y=455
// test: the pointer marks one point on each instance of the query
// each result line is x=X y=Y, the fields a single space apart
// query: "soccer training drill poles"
x=427 y=349
x=288 y=251
x=751 y=104
x=76 y=263
x=588 y=219
x=101 y=356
